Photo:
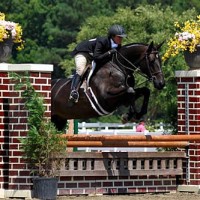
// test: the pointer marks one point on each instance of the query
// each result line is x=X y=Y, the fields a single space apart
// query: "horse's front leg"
x=133 y=113
x=128 y=116
x=145 y=92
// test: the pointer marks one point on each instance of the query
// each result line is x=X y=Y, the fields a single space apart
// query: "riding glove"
x=112 y=51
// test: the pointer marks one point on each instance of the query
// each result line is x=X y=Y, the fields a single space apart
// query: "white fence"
x=115 y=129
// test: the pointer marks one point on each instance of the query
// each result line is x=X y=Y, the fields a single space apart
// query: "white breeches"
x=80 y=62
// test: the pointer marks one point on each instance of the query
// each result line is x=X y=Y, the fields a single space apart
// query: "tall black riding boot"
x=74 y=95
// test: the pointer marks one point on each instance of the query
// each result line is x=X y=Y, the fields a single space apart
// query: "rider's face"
x=117 y=39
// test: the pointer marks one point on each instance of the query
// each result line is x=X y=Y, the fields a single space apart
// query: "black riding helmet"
x=116 y=30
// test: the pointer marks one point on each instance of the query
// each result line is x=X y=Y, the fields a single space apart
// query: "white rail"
x=115 y=129
x=99 y=126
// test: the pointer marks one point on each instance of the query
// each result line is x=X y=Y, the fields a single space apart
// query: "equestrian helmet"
x=116 y=30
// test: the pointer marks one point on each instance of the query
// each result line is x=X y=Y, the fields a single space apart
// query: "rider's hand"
x=112 y=51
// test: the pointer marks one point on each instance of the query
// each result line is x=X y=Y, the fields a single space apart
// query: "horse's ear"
x=150 y=47
x=160 y=45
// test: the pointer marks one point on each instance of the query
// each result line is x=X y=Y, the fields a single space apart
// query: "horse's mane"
x=134 y=44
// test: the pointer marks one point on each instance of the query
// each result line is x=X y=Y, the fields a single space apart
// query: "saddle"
x=87 y=74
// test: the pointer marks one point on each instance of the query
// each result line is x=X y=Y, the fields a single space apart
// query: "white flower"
x=185 y=36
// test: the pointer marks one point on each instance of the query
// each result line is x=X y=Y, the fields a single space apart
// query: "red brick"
x=167 y=182
x=172 y=188
x=6 y=81
x=142 y=190
x=161 y=189
x=46 y=88
x=13 y=160
x=148 y=183
x=107 y=184
x=134 y=177
x=78 y=178
x=19 y=180
x=63 y=192
x=77 y=191
x=25 y=187
x=83 y=185
x=194 y=182
x=128 y=183
x=132 y=190
x=90 y=191
x=186 y=79
x=13 y=173
x=61 y=185
x=112 y=177
x=34 y=74
x=40 y=81
x=98 y=184
x=195 y=170
x=151 y=189
x=101 y=191
x=138 y=183
x=46 y=75
x=13 y=187
x=120 y=190
x=66 y=178
x=37 y=87
x=24 y=173
x=3 y=74
x=19 y=166
x=181 y=86
x=72 y=185
x=4 y=87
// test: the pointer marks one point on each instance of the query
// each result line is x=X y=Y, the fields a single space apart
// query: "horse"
x=111 y=85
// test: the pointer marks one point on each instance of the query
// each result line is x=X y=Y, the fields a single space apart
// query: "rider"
x=99 y=49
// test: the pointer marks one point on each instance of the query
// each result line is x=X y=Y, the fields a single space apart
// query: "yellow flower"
x=186 y=38
x=2 y=16
x=11 y=30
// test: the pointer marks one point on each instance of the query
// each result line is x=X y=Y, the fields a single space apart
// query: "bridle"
x=136 y=67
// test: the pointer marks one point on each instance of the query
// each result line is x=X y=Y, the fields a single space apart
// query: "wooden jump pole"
x=126 y=144
x=83 y=137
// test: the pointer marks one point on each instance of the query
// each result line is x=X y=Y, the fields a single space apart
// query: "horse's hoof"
x=124 y=119
x=133 y=120
x=131 y=90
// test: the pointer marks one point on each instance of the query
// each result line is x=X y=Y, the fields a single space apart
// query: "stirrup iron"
x=74 y=95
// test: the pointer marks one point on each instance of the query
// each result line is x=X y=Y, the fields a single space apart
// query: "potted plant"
x=10 y=33
x=43 y=147
x=187 y=41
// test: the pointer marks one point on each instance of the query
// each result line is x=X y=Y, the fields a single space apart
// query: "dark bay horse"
x=111 y=86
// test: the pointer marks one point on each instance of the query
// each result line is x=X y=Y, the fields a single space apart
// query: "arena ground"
x=166 y=196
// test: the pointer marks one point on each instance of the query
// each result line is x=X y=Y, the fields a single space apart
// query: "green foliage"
x=43 y=146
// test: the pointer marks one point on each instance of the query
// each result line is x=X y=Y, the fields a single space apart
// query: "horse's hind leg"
x=59 y=122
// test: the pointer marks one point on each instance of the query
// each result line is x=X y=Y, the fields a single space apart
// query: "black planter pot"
x=6 y=50
x=45 y=188
x=193 y=59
